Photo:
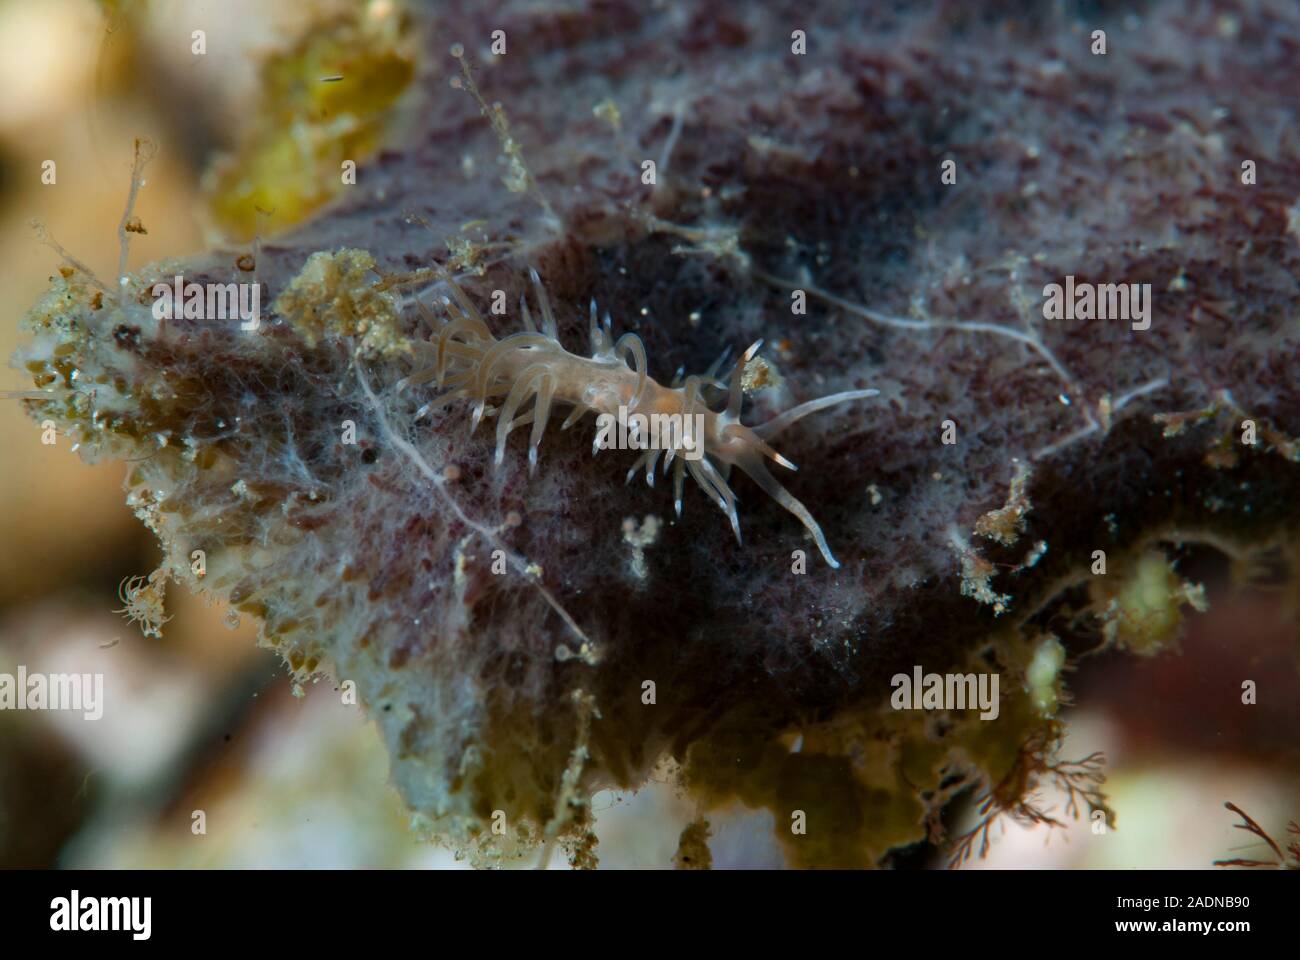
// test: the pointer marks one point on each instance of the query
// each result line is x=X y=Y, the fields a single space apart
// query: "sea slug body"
x=469 y=363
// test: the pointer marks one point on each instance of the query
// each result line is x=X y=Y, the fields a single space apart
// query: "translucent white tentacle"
x=777 y=424
x=544 y=304
x=782 y=496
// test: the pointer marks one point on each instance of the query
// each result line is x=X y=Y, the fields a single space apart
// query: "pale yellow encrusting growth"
x=329 y=298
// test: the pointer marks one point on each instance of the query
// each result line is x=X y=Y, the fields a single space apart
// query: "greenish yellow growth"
x=467 y=253
x=872 y=779
x=572 y=803
x=693 y=851
x=607 y=110
x=1043 y=675
x=977 y=581
x=290 y=160
x=1143 y=610
x=57 y=307
x=760 y=374
x=1007 y=522
x=334 y=296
